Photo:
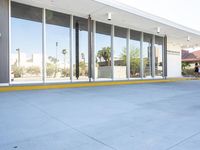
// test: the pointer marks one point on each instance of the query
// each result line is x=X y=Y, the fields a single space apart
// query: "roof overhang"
x=123 y=15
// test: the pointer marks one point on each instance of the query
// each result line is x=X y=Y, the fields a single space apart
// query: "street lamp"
x=64 y=52
x=18 y=55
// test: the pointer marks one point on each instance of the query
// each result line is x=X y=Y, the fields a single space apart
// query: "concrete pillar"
x=4 y=41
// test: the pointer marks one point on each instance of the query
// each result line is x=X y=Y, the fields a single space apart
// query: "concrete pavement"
x=158 y=116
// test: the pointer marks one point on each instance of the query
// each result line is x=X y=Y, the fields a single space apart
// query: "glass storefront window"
x=27 y=47
x=26 y=43
x=158 y=56
x=147 y=55
x=57 y=48
x=103 y=69
x=120 y=50
x=80 y=52
x=135 y=40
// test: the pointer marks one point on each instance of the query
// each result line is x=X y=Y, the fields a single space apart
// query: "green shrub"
x=188 y=72
x=17 y=71
x=33 y=70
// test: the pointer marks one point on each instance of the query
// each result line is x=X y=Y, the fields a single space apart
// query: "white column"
x=112 y=50
x=153 y=57
x=94 y=51
x=44 y=46
x=128 y=54
x=141 y=56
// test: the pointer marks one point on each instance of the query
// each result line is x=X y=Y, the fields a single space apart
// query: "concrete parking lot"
x=159 y=116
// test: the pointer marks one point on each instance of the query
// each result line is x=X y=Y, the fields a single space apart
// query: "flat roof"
x=124 y=7
x=124 y=16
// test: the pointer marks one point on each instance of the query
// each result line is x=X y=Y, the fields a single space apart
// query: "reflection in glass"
x=135 y=39
x=57 y=51
x=80 y=52
x=103 y=67
x=147 y=55
x=158 y=56
x=120 y=53
x=26 y=52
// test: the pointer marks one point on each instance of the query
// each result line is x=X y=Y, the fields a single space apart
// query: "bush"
x=65 y=72
x=17 y=71
x=33 y=70
x=50 y=69
x=188 y=72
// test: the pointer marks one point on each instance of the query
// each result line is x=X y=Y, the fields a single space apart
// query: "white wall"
x=174 y=61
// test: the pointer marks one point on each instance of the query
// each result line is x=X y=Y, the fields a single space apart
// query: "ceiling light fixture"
x=109 y=16
x=158 y=30
x=188 y=38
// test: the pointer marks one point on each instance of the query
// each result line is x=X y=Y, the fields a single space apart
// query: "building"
x=190 y=58
x=87 y=40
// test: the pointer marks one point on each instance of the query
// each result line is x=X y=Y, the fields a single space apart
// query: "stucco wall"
x=174 y=60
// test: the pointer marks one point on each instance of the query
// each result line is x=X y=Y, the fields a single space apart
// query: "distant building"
x=191 y=58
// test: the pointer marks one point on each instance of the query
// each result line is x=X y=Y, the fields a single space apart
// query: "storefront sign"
x=171 y=52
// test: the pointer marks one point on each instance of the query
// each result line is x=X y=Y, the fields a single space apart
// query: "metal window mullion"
x=94 y=50
x=71 y=47
x=44 y=46
x=128 y=54
x=163 y=57
x=153 y=57
x=112 y=49
x=141 y=56
x=89 y=48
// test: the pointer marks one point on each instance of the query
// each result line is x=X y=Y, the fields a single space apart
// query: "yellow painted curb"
x=89 y=84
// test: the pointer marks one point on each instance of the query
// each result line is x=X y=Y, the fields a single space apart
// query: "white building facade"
x=54 y=41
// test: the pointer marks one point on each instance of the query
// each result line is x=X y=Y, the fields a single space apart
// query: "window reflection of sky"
x=102 y=41
x=119 y=46
x=60 y=35
x=27 y=36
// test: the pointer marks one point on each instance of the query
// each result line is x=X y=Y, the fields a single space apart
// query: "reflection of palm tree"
x=134 y=60
x=54 y=61
x=105 y=53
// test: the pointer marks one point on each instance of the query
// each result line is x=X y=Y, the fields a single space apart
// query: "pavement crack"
x=71 y=127
x=182 y=141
